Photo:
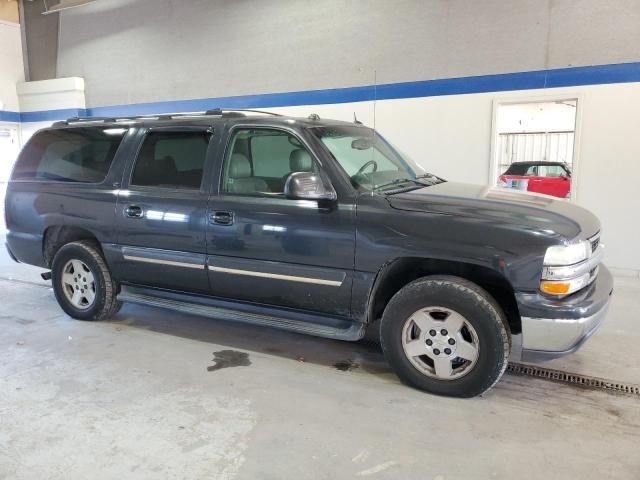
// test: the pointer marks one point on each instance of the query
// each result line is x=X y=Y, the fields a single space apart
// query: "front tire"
x=82 y=282
x=445 y=335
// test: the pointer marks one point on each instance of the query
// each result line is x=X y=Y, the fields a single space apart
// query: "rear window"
x=69 y=155
x=171 y=160
x=516 y=169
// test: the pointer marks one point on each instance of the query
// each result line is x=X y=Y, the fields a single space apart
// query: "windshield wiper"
x=397 y=181
x=421 y=181
x=431 y=175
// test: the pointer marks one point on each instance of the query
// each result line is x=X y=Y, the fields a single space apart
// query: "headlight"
x=565 y=287
x=570 y=268
x=567 y=254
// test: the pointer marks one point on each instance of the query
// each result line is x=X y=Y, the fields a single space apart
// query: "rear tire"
x=446 y=335
x=82 y=282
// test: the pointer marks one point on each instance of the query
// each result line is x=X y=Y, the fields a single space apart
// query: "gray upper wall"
x=132 y=51
x=40 y=40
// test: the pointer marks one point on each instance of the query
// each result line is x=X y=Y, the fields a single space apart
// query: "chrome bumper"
x=548 y=338
x=562 y=328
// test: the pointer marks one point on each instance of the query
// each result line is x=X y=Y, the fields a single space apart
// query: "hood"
x=546 y=214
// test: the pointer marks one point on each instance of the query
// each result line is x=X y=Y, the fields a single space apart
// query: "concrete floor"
x=141 y=397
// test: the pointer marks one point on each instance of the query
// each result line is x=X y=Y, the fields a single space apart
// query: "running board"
x=337 y=329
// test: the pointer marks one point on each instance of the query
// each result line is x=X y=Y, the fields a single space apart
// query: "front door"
x=268 y=249
x=550 y=180
x=161 y=212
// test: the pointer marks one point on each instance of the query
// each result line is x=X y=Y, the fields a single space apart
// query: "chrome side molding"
x=276 y=276
x=171 y=263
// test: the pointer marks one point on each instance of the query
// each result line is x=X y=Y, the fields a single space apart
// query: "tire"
x=461 y=363
x=80 y=267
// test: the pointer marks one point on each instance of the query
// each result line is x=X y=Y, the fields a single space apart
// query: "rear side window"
x=171 y=160
x=546 y=171
x=69 y=155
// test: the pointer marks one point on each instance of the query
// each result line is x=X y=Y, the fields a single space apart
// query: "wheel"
x=82 y=282
x=445 y=335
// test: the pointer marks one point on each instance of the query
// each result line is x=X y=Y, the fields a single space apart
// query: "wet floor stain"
x=24 y=321
x=272 y=350
x=346 y=365
x=229 y=358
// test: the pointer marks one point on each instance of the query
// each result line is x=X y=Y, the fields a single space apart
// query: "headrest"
x=239 y=166
x=300 y=161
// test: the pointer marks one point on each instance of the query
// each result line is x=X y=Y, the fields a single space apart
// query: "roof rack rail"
x=90 y=119
x=222 y=111
x=71 y=120
x=231 y=112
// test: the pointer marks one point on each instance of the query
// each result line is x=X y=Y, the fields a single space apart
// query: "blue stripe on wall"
x=52 y=115
x=6 y=116
x=562 y=77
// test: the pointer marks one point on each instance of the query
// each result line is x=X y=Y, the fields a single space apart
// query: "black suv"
x=316 y=226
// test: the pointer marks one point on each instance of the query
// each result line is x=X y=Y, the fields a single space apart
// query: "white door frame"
x=12 y=125
x=527 y=97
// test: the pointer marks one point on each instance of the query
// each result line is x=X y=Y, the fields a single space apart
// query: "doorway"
x=9 y=149
x=534 y=146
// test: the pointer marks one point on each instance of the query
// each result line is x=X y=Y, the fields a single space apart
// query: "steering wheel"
x=367 y=165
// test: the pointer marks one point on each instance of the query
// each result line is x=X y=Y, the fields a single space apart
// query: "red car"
x=550 y=178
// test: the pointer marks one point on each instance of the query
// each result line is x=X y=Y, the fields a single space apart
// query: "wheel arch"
x=57 y=236
x=394 y=275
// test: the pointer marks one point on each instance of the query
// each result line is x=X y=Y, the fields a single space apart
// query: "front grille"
x=595 y=241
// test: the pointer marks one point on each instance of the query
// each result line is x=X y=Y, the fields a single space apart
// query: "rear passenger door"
x=161 y=211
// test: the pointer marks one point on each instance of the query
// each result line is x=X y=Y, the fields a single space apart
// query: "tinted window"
x=260 y=160
x=171 y=160
x=539 y=170
x=550 y=171
x=515 y=169
x=69 y=155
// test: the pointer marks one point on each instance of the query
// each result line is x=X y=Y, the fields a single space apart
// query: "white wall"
x=29 y=128
x=536 y=117
x=451 y=137
x=11 y=72
x=54 y=94
x=46 y=95
x=11 y=66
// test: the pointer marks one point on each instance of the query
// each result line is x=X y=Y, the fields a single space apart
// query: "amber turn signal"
x=555 y=288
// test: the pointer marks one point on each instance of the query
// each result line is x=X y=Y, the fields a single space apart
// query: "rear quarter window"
x=81 y=155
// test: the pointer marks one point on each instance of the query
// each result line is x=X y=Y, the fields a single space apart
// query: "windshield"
x=370 y=161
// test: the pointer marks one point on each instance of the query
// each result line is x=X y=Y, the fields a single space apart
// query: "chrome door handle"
x=134 y=211
x=221 y=218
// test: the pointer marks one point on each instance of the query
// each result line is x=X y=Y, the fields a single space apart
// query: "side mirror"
x=308 y=186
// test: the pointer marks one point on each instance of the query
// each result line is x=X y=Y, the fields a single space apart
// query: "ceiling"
x=51 y=6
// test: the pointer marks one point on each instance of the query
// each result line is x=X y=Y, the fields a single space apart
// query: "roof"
x=209 y=117
x=562 y=164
